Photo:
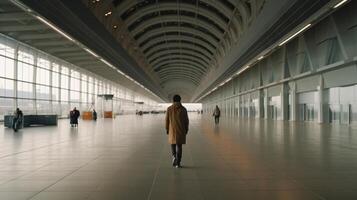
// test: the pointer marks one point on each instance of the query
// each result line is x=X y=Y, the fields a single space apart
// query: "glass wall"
x=38 y=83
x=274 y=107
x=340 y=105
x=307 y=106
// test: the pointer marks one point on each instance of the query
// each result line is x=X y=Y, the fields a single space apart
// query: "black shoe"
x=178 y=166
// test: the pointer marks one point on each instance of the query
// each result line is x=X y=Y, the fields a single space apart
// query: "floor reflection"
x=237 y=159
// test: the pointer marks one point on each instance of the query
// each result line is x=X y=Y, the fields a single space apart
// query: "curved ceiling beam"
x=163 y=82
x=124 y=6
x=180 y=69
x=174 y=68
x=206 y=44
x=157 y=31
x=178 y=44
x=152 y=8
x=181 y=64
x=220 y=6
x=178 y=85
x=180 y=72
x=243 y=10
x=235 y=19
x=179 y=77
x=178 y=51
x=173 y=18
x=182 y=57
x=178 y=54
x=179 y=33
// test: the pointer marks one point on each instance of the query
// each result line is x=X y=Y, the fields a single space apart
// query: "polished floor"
x=128 y=158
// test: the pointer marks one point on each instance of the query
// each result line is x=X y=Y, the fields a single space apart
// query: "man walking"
x=176 y=128
x=216 y=114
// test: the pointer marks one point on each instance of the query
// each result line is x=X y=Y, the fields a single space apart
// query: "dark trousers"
x=177 y=152
x=216 y=119
x=14 y=122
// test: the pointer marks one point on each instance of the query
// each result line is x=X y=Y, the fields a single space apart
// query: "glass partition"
x=39 y=83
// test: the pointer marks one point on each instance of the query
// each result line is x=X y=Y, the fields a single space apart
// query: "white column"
x=261 y=104
x=284 y=100
x=238 y=106
x=80 y=92
x=16 y=71
x=34 y=84
x=50 y=87
x=320 y=100
x=248 y=103
x=293 y=102
x=265 y=103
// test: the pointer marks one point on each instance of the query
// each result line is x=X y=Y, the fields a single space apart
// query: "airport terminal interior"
x=283 y=74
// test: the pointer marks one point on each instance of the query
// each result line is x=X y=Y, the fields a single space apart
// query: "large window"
x=38 y=83
x=6 y=62
x=25 y=66
x=43 y=73
x=6 y=88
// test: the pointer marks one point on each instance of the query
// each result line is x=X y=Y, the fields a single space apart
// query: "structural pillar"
x=284 y=99
x=293 y=101
x=248 y=103
x=320 y=100
x=266 y=103
x=238 y=106
x=261 y=103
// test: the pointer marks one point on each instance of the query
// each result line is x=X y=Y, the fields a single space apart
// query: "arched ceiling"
x=166 y=46
x=181 y=40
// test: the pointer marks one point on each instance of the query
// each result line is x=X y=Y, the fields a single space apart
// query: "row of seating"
x=33 y=120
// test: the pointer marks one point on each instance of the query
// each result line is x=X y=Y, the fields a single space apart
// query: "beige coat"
x=177 y=123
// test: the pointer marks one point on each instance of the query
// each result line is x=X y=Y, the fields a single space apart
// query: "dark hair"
x=177 y=98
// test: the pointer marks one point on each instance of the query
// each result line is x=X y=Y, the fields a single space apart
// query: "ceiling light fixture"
x=108 y=13
x=340 y=4
x=107 y=63
x=54 y=28
x=242 y=70
x=21 y=5
x=126 y=76
x=91 y=52
x=261 y=57
x=297 y=33
x=120 y=72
